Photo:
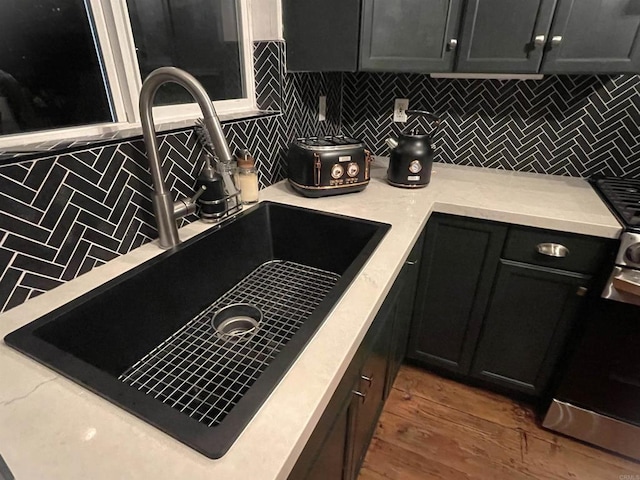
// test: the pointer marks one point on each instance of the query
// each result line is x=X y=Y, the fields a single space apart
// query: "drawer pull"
x=363 y=396
x=552 y=250
x=367 y=379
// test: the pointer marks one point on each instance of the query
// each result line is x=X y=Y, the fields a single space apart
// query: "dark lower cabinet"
x=369 y=397
x=530 y=314
x=494 y=303
x=339 y=443
x=331 y=460
x=403 y=313
x=459 y=261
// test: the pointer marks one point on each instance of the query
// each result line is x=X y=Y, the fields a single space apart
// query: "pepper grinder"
x=247 y=177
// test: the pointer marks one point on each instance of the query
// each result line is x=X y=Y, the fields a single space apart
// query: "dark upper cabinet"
x=504 y=36
x=473 y=36
x=459 y=261
x=531 y=312
x=595 y=36
x=409 y=35
x=321 y=36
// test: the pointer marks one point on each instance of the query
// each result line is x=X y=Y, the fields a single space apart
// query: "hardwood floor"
x=435 y=428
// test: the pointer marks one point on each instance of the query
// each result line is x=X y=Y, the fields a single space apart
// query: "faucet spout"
x=166 y=212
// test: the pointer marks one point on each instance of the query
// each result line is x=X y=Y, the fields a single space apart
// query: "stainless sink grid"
x=204 y=376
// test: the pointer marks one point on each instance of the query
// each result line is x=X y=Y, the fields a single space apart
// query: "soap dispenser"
x=213 y=201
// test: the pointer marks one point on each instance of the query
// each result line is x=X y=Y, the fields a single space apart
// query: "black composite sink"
x=145 y=339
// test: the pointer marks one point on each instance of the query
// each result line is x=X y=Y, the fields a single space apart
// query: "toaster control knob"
x=415 y=166
x=337 y=171
x=353 y=169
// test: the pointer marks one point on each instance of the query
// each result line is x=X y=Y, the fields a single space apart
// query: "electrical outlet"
x=322 y=108
x=400 y=108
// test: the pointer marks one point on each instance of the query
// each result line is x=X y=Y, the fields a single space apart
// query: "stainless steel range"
x=622 y=195
x=598 y=398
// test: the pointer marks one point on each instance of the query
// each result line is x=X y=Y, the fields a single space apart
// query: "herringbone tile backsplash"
x=64 y=214
x=563 y=125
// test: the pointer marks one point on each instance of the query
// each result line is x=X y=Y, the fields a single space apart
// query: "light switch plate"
x=322 y=108
x=400 y=108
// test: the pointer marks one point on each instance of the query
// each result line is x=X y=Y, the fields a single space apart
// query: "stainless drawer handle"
x=367 y=379
x=552 y=250
x=363 y=396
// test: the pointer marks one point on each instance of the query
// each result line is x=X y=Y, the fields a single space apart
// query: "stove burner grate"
x=623 y=197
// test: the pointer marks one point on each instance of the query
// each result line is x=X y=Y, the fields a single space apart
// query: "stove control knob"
x=632 y=254
x=336 y=171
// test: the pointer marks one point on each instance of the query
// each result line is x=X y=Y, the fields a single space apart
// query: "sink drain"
x=237 y=322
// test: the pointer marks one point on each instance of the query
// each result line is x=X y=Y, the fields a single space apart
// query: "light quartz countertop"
x=52 y=428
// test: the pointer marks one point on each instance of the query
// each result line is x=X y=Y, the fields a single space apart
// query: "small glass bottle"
x=247 y=178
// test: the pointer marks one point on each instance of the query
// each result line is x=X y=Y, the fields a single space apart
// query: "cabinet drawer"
x=583 y=254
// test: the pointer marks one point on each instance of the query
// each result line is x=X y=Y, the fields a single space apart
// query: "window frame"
x=113 y=33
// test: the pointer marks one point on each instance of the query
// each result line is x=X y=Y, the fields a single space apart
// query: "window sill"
x=113 y=134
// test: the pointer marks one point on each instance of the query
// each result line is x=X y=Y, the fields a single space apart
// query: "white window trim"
x=113 y=28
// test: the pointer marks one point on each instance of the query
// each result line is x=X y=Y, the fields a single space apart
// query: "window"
x=50 y=73
x=71 y=63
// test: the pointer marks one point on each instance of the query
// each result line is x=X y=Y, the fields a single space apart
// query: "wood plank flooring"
x=435 y=428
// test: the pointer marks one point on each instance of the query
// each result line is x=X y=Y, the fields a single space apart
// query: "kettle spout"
x=391 y=143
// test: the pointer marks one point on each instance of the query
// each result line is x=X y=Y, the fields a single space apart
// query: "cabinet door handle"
x=453 y=43
x=367 y=379
x=539 y=40
x=552 y=250
x=363 y=396
x=411 y=262
x=556 y=40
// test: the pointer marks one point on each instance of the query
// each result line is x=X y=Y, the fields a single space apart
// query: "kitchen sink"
x=194 y=340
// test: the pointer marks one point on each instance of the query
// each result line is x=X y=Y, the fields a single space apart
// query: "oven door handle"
x=623 y=286
x=627 y=281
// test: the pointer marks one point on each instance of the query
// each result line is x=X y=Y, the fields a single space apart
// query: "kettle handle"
x=423 y=113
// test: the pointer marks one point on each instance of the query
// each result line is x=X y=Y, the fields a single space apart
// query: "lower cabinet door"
x=459 y=261
x=529 y=317
x=368 y=400
x=402 y=313
x=331 y=461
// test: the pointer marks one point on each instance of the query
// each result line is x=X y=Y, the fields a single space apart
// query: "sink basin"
x=163 y=342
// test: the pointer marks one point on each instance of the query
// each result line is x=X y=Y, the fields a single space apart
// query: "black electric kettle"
x=412 y=155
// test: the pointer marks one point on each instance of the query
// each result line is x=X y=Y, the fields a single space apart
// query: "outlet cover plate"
x=322 y=108
x=400 y=107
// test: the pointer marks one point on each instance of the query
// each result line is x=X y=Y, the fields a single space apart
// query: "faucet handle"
x=198 y=194
x=187 y=206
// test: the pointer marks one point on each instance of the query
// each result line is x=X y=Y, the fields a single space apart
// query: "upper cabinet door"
x=409 y=35
x=504 y=35
x=595 y=36
x=321 y=36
